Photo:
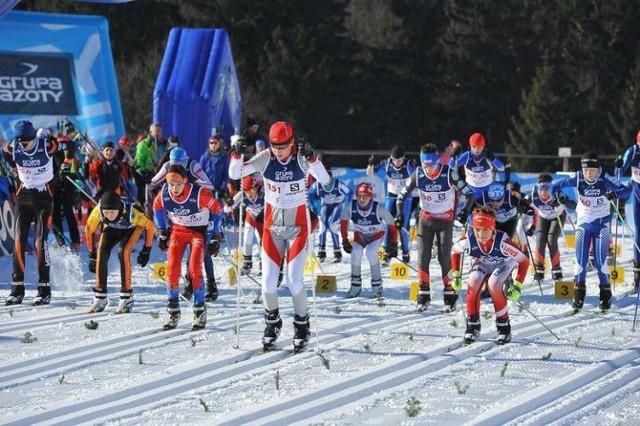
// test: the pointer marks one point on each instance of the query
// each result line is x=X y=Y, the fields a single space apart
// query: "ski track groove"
x=225 y=368
x=369 y=384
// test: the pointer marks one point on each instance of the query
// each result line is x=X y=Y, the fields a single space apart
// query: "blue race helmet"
x=178 y=156
x=495 y=191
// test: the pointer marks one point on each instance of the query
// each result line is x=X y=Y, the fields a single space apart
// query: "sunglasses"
x=362 y=197
x=213 y=141
x=280 y=147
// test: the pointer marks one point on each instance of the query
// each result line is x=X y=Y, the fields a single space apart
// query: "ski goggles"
x=544 y=187
x=280 y=146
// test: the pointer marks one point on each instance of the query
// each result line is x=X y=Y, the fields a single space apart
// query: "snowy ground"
x=380 y=362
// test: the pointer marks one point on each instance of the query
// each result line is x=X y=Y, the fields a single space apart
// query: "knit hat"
x=110 y=201
x=24 y=130
x=397 y=152
x=590 y=159
x=109 y=144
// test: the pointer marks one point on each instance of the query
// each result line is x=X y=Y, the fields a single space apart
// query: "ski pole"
x=521 y=306
x=631 y=233
x=615 y=245
x=531 y=258
x=238 y=284
x=81 y=190
x=635 y=314
x=462 y=312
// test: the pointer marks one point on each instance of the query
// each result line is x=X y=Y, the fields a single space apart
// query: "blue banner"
x=54 y=65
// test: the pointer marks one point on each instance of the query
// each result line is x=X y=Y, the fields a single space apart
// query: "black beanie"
x=110 y=201
x=590 y=159
x=397 y=152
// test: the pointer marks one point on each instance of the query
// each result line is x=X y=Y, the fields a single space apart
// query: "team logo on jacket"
x=30 y=163
x=433 y=188
x=592 y=192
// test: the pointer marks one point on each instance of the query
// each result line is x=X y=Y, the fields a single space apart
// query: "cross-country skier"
x=122 y=223
x=478 y=165
x=438 y=191
x=31 y=154
x=494 y=256
x=631 y=160
x=188 y=208
x=550 y=214
x=287 y=224
x=595 y=190
x=252 y=197
x=369 y=219
x=398 y=171
x=333 y=198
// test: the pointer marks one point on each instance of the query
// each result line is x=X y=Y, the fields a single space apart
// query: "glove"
x=462 y=216
x=456 y=280
x=92 y=261
x=514 y=291
x=65 y=169
x=523 y=208
x=346 y=246
x=557 y=200
x=163 y=239
x=392 y=250
x=531 y=231
x=371 y=161
x=305 y=149
x=489 y=155
x=143 y=256
x=610 y=195
x=618 y=162
x=399 y=221
x=213 y=247
x=147 y=176
x=239 y=145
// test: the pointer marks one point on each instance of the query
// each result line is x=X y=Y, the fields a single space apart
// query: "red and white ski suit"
x=287 y=223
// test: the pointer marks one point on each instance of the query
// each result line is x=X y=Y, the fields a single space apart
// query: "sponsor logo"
x=433 y=188
x=283 y=175
x=511 y=251
x=592 y=192
x=30 y=163
x=37 y=83
x=179 y=211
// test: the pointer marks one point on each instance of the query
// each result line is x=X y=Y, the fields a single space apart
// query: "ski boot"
x=301 y=333
x=376 y=289
x=199 y=316
x=472 y=332
x=173 y=309
x=322 y=254
x=538 y=276
x=424 y=299
x=605 y=298
x=405 y=256
x=44 y=295
x=99 y=303
x=578 y=296
x=450 y=299
x=556 y=275
x=504 y=331
x=17 y=293
x=356 y=287
x=212 y=290
x=247 y=265
x=125 y=305
x=337 y=255
x=272 y=329
x=386 y=259
x=188 y=289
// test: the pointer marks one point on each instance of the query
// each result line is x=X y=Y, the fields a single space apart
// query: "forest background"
x=531 y=75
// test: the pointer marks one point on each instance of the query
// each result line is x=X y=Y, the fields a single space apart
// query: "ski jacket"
x=131 y=215
x=191 y=209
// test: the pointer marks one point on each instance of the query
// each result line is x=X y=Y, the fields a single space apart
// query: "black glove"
x=346 y=246
x=213 y=247
x=392 y=250
x=462 y=216
x=143 y=256
x=305 y=149
x=93 y=261
x=610 y=195
x=371 y=161
x=65 y=170
x=240 y=146
x=618 y=162
x=147 y=176
x=399 y=221
x=531 y=231
x=163 y=239
x=523 y=208
x=489 y=155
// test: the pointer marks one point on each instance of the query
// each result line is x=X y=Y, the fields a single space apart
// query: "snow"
x=366 y=360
